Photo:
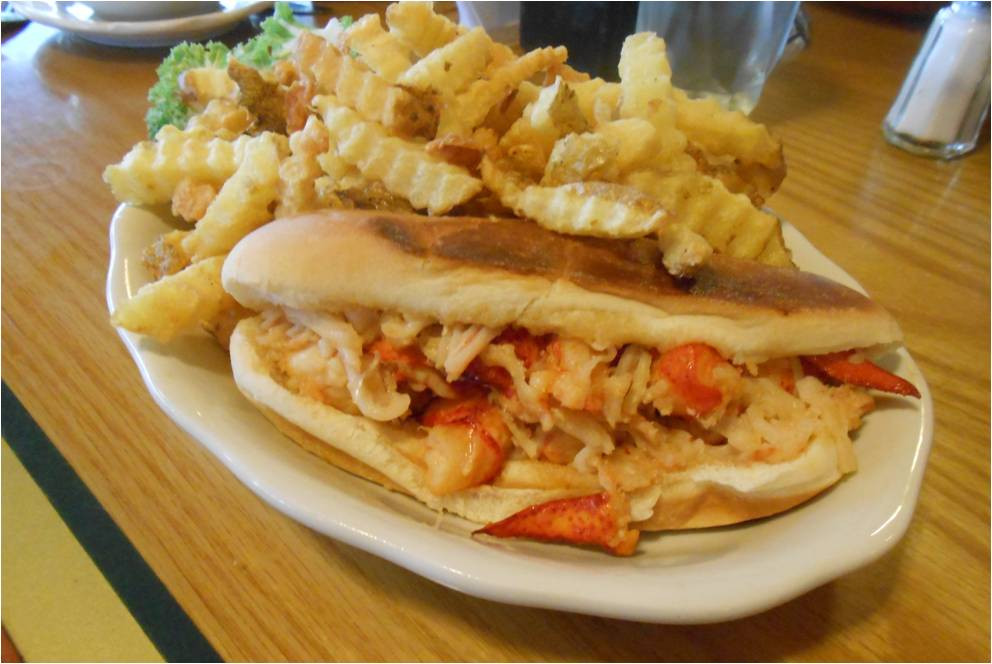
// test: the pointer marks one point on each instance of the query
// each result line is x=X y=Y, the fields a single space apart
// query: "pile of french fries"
x=423 y=115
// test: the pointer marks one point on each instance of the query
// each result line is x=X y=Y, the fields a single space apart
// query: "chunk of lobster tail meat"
x=466 y=444
x=599 y=519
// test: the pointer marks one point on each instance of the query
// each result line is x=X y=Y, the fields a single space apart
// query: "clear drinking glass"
x=724 y=50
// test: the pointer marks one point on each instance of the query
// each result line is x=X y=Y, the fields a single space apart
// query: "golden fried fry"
x=419 y=28
x=646 y=91
x=470 y=108
x=380 y=50
x=298 y=104
x=636 y=141
x=728 y=221
x=176 y=303
x=372 y=96
x=450 y=68
x=298 y=173
x=402 y=166
x=585 y=208
x=243 y=203
x=309 y=48
x=149 y=173
x=718 y=131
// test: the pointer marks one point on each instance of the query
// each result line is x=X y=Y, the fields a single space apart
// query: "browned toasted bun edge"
x=512 y=272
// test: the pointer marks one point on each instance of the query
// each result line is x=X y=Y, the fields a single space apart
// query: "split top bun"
x=508 y=272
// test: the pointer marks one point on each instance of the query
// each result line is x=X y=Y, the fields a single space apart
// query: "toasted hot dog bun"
x=509 y=272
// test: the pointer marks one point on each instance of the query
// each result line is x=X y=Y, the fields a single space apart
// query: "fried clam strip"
x=581 y=208
x=728 y=221
x=176 y=303
x=646 y=92
x=468 y=110
x=419 y=28
x=402 y=166
x=151 y=171
x=375 y=98
x=380 y=50
x=244 y=202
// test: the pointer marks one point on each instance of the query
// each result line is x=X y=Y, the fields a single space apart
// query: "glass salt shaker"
x=944 y=100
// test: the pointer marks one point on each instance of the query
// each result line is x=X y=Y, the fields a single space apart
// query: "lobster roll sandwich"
x=553 y=387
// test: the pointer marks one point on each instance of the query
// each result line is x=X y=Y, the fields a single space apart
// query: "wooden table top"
x=259 y=586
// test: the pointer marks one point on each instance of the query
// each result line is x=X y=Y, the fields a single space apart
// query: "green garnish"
x=273 y=43
x=167 y=106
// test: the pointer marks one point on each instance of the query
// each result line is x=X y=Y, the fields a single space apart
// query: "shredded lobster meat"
x=628 y=414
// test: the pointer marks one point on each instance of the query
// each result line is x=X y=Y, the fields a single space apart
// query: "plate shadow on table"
x=784 y=632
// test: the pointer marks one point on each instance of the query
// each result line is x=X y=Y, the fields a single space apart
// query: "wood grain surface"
x=913 y=231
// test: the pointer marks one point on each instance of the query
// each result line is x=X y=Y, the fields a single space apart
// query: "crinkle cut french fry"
x=450 y=68
x=470 y=108
x=635 y=140
x=646 y=90
x=372 y=96
x=402 y=166
x=419 y=28
x=728 y=221
x=298 y=172
x=243 y=203
x=176 y=303
x=584 y=208
x=378 y=49
x=723 y=132
x=729 y=146
x=149 y=173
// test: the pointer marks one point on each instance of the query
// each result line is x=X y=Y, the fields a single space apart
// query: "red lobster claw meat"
x=839 y=367
x=595 y=519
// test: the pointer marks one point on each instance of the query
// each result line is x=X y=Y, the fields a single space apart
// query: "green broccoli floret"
x=262 y=50
x=167 y=106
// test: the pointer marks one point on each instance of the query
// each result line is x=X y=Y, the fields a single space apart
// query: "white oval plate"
x=76 y=17
x=682 y=577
